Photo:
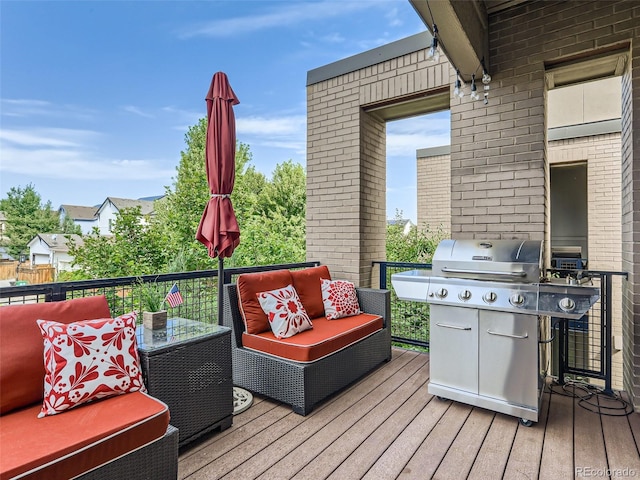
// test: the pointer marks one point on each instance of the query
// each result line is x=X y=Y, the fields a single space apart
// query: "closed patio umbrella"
x=218 y=229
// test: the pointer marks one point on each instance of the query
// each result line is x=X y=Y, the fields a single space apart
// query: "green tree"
x=26 y=216
x=69 y=227
x=135 y=248
x=270 y=213
x=274 y=230
x=418 y=245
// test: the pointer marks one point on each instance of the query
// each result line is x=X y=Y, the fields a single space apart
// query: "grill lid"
x=499 y=260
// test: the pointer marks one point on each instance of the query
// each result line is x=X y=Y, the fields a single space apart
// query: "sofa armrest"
x=376 y=302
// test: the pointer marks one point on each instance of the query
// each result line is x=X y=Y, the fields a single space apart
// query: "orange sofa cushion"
x=66 y=445
x=22 y=347
x=307 y=284
x=249 y=285
x=325 y=338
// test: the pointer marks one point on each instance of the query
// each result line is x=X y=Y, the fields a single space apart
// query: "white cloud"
x=267 y=126
x=24 y=107
x=137 y=111
x=291 y=13
x=45 y=137
x=406 y=136
x=68 y=154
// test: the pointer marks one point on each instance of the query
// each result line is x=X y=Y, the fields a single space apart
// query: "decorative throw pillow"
x=339 y=298
x=87 y=360
x=285 y=312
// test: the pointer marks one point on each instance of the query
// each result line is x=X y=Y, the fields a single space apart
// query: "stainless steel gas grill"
x=489 y=321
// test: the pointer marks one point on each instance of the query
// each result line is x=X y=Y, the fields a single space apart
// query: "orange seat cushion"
x=22 y=347
x=325 y=338
x=249 y=285
x=307 y=284
x=76 y=441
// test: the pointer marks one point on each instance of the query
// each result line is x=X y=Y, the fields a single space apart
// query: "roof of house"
x=146 y=206
x=79 y=212
x=402 y=222
x=58 y=242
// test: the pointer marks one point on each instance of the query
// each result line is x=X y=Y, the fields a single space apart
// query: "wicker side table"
x=188 y=366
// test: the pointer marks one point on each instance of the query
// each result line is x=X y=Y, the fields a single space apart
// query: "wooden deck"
x=387 y=426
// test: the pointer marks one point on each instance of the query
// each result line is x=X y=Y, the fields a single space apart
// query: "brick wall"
x=434 y=192
x=346 y=161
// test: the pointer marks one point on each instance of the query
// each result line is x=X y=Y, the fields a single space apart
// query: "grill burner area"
x=500 y=275
x=553 y=299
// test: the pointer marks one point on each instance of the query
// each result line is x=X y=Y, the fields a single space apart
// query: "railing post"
x=606 y=305
x=383 y=275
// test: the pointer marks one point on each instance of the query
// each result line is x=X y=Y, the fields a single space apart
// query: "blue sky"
x=97 y=96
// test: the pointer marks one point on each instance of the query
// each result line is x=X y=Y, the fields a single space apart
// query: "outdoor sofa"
x=306 y=368
x=126 y=435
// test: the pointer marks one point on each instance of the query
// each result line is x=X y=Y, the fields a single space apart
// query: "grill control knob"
x=442 y=293
x=566 y=304
x=490 y=297
x=464 y=295
x=517 y=300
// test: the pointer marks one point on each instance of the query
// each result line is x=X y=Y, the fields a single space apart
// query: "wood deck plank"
x=233 y=462
x=587 y=435
x=364 y=438
x=557 y=450
x=524 y=459
x=331 y=420
x=393 y=461
x=459 y=459
x=427 y=458
x=369 y=451
x=360 y=420
x=620 y=445
x=260 y=416
x=388 y=426
x=494 y=453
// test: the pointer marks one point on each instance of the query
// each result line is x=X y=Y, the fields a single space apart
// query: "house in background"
x=52 y=249
x=106 y=213
x=84 y=217
x=3 y=226
x=406 y=225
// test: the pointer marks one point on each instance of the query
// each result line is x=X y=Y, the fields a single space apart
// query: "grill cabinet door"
x=453 y=347
x=509 y=357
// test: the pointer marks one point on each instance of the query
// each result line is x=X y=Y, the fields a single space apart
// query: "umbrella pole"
x=220 y=288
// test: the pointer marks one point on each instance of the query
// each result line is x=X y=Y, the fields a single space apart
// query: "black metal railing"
x=409 y=320
x=583 y=348
x=199 y=290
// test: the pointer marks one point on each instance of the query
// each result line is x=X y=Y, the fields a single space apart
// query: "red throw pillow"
x=249 y=285
x=285 y=312
x=340 y=299
x=87 y=360
x=307 y=283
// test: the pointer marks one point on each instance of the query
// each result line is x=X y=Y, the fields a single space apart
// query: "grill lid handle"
x=519 y=274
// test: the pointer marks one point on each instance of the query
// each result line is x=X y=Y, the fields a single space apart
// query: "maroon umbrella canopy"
x=218 y=229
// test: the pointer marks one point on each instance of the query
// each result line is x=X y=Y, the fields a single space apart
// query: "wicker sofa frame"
x=303 y=385
x=158 y=461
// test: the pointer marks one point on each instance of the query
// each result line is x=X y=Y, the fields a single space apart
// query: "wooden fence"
x=26 y=272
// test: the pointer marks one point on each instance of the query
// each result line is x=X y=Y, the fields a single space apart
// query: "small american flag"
x=174 y=298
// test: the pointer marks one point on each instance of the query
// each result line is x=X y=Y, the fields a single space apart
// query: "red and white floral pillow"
x=87 y=360
x=339 y=298
x=285 y=312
